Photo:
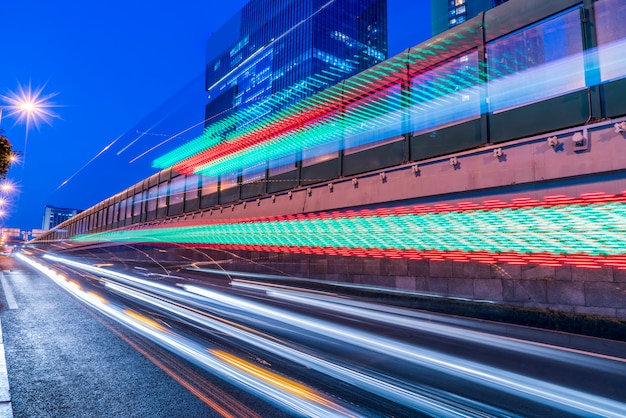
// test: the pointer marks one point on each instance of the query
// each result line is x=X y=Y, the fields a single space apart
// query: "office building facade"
x=293 y=47
x=449 y=13
x=53 y=216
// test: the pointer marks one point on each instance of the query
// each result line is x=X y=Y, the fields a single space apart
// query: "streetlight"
x=7 y=186
x=30 y=106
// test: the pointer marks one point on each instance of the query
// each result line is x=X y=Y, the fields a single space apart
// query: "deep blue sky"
x=112 y=65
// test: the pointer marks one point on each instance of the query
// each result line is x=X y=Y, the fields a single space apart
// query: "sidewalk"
x=6 y=410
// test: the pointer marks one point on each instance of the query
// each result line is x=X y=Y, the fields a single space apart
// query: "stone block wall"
x=566 y=288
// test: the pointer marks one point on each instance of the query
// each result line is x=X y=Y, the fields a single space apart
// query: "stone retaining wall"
x=566 y=288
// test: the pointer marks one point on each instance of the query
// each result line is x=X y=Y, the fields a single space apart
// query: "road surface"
x=246 y=341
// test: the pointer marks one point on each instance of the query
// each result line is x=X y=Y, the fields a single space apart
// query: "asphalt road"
x=65 y=360
x=247 y=345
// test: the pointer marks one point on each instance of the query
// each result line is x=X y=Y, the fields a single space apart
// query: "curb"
x=6 y=409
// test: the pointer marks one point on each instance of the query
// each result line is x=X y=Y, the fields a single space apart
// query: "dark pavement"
x=63 y=361
x=269 y=350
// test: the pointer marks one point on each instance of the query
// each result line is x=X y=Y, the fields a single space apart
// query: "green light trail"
x=592 y=229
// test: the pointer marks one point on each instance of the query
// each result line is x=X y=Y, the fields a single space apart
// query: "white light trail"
x=544 y=392
x=553 y=395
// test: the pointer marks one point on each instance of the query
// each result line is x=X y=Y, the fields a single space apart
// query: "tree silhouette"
x=5 y=155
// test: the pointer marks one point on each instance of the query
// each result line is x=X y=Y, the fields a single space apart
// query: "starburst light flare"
x=7 y=186
x=30 y=106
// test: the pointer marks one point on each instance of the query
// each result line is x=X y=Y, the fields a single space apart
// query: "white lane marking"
x=8 y=293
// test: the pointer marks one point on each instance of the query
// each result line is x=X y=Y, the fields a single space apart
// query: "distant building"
x=10 y=232
x=273 y=46
x=449 y=13
x=53 y=216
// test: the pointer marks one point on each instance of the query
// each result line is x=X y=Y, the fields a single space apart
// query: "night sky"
x=128 y=74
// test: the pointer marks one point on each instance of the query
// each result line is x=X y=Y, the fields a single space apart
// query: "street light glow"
x=30 y=105
x=6 y=186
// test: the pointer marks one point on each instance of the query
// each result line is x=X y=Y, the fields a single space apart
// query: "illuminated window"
x=459 y=2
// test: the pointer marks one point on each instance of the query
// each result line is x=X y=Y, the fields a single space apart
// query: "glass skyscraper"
x=290 y=49
x=53 y=216
x=449 y=13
